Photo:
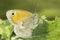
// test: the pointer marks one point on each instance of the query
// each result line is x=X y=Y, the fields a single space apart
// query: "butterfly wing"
x=31 y=22
x=23 y=28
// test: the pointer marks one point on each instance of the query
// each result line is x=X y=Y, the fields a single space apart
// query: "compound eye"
x=12 y=13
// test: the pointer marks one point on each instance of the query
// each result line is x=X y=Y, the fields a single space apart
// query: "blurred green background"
x=47 y=30
x=50 y=8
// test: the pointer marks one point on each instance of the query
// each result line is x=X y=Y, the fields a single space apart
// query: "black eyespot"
x=12 y=13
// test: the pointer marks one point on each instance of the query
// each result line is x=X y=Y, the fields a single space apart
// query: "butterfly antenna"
x=36 y=6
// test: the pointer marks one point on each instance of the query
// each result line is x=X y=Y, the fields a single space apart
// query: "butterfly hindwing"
x=31 y=22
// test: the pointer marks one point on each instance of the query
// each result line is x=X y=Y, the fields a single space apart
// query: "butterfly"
x=24 y=22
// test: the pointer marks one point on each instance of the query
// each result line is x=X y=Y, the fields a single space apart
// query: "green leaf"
x=54 y=30
x=1 y=21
